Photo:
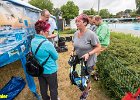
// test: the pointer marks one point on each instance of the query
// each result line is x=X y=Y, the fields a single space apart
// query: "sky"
x=113 y=6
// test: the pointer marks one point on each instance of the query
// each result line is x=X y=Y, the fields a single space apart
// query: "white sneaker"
x=58 y=98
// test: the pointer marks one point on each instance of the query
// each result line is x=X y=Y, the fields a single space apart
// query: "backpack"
x=13 y=88
x=78 y=77
x=33 y=67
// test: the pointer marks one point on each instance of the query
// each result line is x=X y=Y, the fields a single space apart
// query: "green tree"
x=120 y=14
x=69 y=11
x=128 y=11
x=112 y=16
x=138 y=6
x=42 y=4
x=104 y=13
x=133 y=13
x=90 y=12
x=57 y=12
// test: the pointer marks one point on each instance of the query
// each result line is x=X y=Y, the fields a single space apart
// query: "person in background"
x=92 y=27
x=102 y=32
x=49 y=77
x=53 y=27
x=45 y=16
x=86 y=45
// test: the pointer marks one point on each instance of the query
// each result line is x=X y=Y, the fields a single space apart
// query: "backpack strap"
x=39 y=46
x=37 y=51
x=45 y=61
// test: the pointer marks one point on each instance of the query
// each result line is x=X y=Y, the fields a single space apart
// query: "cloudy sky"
x=113 y=6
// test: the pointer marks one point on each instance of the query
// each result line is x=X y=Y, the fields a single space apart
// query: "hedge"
x=119 y=65
x=71 y=31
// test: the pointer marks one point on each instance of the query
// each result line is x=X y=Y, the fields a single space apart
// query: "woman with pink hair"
x=48 y=79
x=86 y=45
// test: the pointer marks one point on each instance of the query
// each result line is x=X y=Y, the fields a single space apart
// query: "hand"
x=52 y=35
x=85 y=56
x=72 y=53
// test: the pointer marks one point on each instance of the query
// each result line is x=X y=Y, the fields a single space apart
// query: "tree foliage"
x=42 y=4
x=70 y=10
x=128 y=11
x=57 y=12
x=133 y=13
x=112 y=16
x=137 y=3
x=119 y=14
x=138 y=6
x=104 y=13
x=90 y=12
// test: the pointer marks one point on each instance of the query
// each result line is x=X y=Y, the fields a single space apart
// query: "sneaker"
x=58 y=98
x=93 y=72
x=84 y=96
x=95 y=76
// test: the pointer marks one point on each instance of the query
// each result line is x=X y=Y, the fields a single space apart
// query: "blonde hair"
x=97 y=17
x=91 y=16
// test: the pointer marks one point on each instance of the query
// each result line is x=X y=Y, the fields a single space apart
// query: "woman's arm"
x=52 y=51
x=72 y=50
x=95 y=50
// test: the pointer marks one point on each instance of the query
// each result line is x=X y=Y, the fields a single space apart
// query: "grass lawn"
x=66 y=90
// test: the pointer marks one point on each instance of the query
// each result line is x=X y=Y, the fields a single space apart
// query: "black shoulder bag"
x=33 y=67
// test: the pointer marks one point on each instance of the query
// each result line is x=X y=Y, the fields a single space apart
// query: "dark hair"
x=83 y=17
x=41 y=26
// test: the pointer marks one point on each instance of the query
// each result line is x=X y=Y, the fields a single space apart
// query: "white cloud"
x=113 y=6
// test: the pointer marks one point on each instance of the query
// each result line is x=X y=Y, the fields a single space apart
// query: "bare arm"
x=51 y=36
x=95 y=50
x=72 y=50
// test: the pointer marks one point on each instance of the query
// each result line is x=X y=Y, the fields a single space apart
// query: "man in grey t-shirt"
x=92 y=27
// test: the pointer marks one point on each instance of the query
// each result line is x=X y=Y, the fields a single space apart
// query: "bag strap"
x=83 y=63
x=37 y=51
x=39 y=46
x=45 y=61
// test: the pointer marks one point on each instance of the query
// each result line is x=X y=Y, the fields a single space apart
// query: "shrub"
x=119 y=66
x=71 y=31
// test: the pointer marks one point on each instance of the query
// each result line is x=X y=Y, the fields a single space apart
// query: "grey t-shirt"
x=85 y=44
x=93 y=28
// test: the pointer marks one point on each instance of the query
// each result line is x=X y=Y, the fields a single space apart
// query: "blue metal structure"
x=16 y=31
x=24 y=4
